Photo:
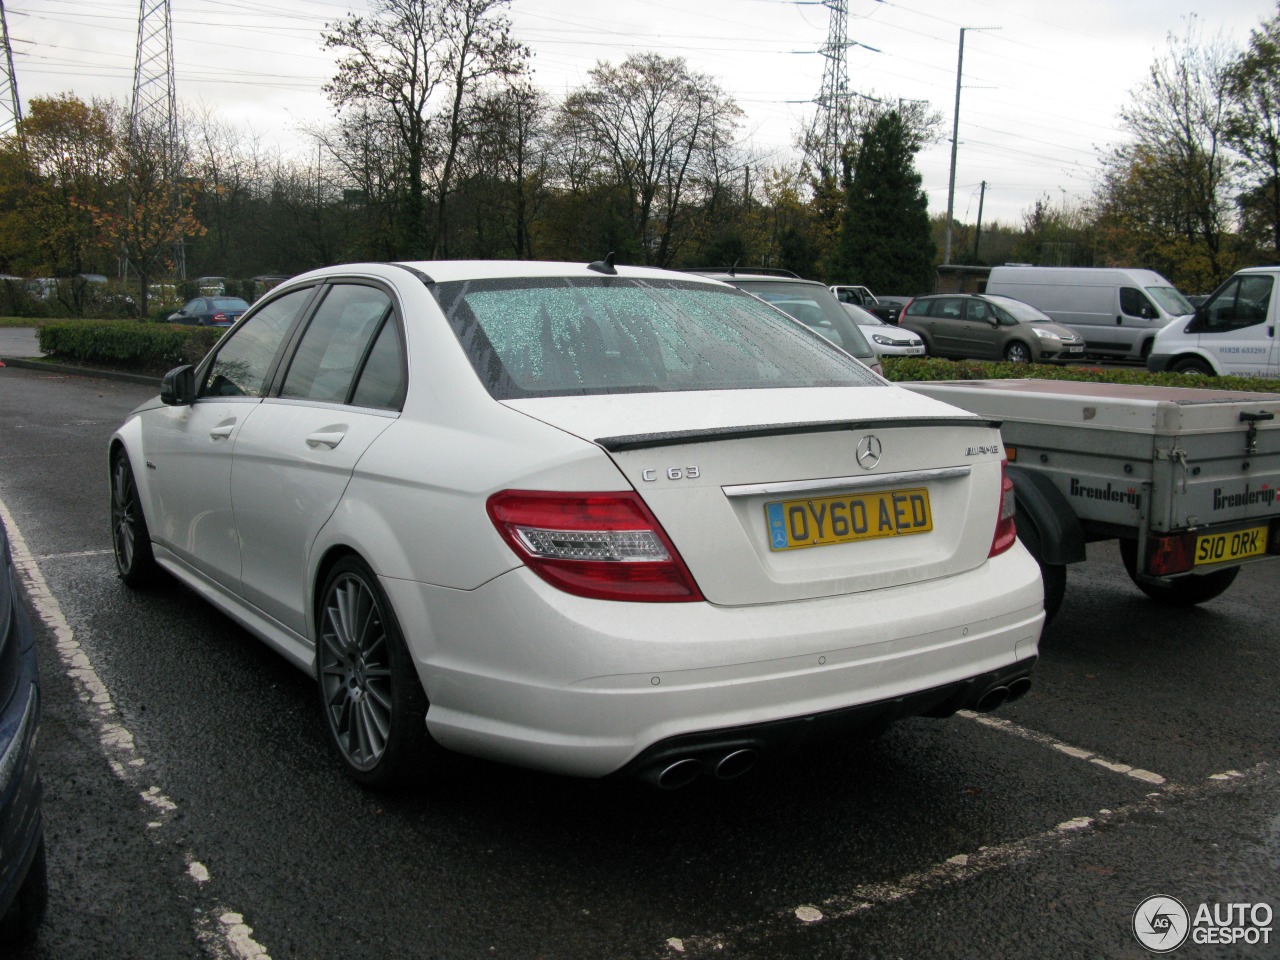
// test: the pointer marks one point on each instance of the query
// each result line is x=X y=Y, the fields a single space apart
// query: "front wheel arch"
x=1192 y=364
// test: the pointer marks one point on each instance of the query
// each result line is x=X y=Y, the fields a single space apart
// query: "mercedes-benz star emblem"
x=869 y=450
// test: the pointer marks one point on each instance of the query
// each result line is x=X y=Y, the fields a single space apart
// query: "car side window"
x=243 y=360
x=977 y=311
x=1242 y=304
x=334 y=346
x=1134 y=303
x=918 y=308
x=948 y=309
x=383 y=380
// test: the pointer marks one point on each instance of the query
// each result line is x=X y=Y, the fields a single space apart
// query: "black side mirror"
x=178 y=388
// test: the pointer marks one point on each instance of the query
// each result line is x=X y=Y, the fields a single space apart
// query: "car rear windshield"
x=228 y=303
x=537 y=337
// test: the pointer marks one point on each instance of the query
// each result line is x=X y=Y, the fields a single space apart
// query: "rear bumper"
x=726 y=753
x=519 y=672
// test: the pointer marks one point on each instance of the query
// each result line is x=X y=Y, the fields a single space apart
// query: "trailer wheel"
x=1054 y=575
x=1185 y=591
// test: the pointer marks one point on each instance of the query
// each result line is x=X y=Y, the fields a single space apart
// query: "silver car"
x=886 y=339
x=988 y=327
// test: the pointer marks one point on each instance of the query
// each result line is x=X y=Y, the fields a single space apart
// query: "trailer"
x=1187 y=479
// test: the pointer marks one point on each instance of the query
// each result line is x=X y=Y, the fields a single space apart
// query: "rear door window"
x=336 y=343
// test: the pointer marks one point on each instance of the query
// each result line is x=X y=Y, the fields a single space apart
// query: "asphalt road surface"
x=193 y=809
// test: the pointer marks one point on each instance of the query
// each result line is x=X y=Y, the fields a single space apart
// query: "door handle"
x=223 y=430
x=1119 y=321
x=327 y=438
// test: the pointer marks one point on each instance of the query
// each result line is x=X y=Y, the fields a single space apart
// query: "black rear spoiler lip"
x=645 y=441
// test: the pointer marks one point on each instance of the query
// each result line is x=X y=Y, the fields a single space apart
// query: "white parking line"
x=957 y=869
x=1137 y=773
x=231 y=939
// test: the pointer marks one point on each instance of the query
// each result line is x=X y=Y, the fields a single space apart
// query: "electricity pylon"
x=153 y=111
x=10 y=105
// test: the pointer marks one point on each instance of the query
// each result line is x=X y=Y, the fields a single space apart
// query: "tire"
x=1183 y=592
x=1193 y=366
x=28 y=908
x=1054 y=575
x=1017 y=352
x=374 y=706
x=130 y=540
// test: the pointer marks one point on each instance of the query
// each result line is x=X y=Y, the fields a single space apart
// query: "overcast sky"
x=1041 y=93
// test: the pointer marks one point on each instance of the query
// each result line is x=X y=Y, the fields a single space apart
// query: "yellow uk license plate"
x=820 y=521
x=1236 y=545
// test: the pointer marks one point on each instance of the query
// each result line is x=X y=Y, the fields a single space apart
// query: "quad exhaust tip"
x=1004 y=693
x=684 y=771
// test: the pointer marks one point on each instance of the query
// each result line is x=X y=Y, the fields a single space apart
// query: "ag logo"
x=1161 y=924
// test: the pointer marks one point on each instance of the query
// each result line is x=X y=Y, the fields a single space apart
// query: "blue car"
x=24 y=889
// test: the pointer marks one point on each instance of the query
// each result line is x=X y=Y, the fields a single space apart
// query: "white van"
x=1233 y=333
x=1117 y=310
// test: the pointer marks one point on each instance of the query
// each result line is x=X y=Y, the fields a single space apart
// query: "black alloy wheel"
x=374 y=705
x=130 y=541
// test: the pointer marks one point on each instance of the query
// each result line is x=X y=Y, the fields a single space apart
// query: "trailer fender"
x=1059 y=538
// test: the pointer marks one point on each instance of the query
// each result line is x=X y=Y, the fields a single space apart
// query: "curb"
x=62 y=368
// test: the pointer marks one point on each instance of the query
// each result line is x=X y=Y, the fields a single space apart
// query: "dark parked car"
x=24 y=889
x=210 y=311
x=888 y=309
x=989 y=327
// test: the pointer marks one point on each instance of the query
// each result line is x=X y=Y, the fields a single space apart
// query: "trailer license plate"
x=1237 y=545
x=821 y=521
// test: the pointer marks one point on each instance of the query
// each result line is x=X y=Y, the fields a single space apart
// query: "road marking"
x=72 y=556
x=954 y=870
x=116 y=740
x=1077 y=753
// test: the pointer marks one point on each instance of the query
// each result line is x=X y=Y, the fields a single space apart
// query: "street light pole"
x=955 y=141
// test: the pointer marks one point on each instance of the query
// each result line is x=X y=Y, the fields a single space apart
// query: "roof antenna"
x=604 y=266
x=733 y=270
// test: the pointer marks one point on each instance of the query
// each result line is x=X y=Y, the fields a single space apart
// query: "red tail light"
x=607 y=546
x=219 y=318
x=1006 y=531
x=1169 y=555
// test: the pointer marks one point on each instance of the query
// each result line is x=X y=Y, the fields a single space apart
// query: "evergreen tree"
x=886 y=243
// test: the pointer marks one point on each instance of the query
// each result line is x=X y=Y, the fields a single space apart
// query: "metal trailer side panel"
x=1183 y=457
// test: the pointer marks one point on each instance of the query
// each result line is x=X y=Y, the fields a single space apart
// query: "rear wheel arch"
x=371 y=697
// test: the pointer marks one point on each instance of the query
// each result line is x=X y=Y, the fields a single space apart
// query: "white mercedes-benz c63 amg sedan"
x=583 y=518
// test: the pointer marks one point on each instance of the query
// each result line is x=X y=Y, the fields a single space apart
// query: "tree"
x=1253 y=130
x=507 y=167
x=1164 y=196
x=661 y=130
x=58 y=178
x=885 y=242
x=397 y=64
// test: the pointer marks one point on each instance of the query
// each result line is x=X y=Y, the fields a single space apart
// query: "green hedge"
x=934 y=368
x=146 y=347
